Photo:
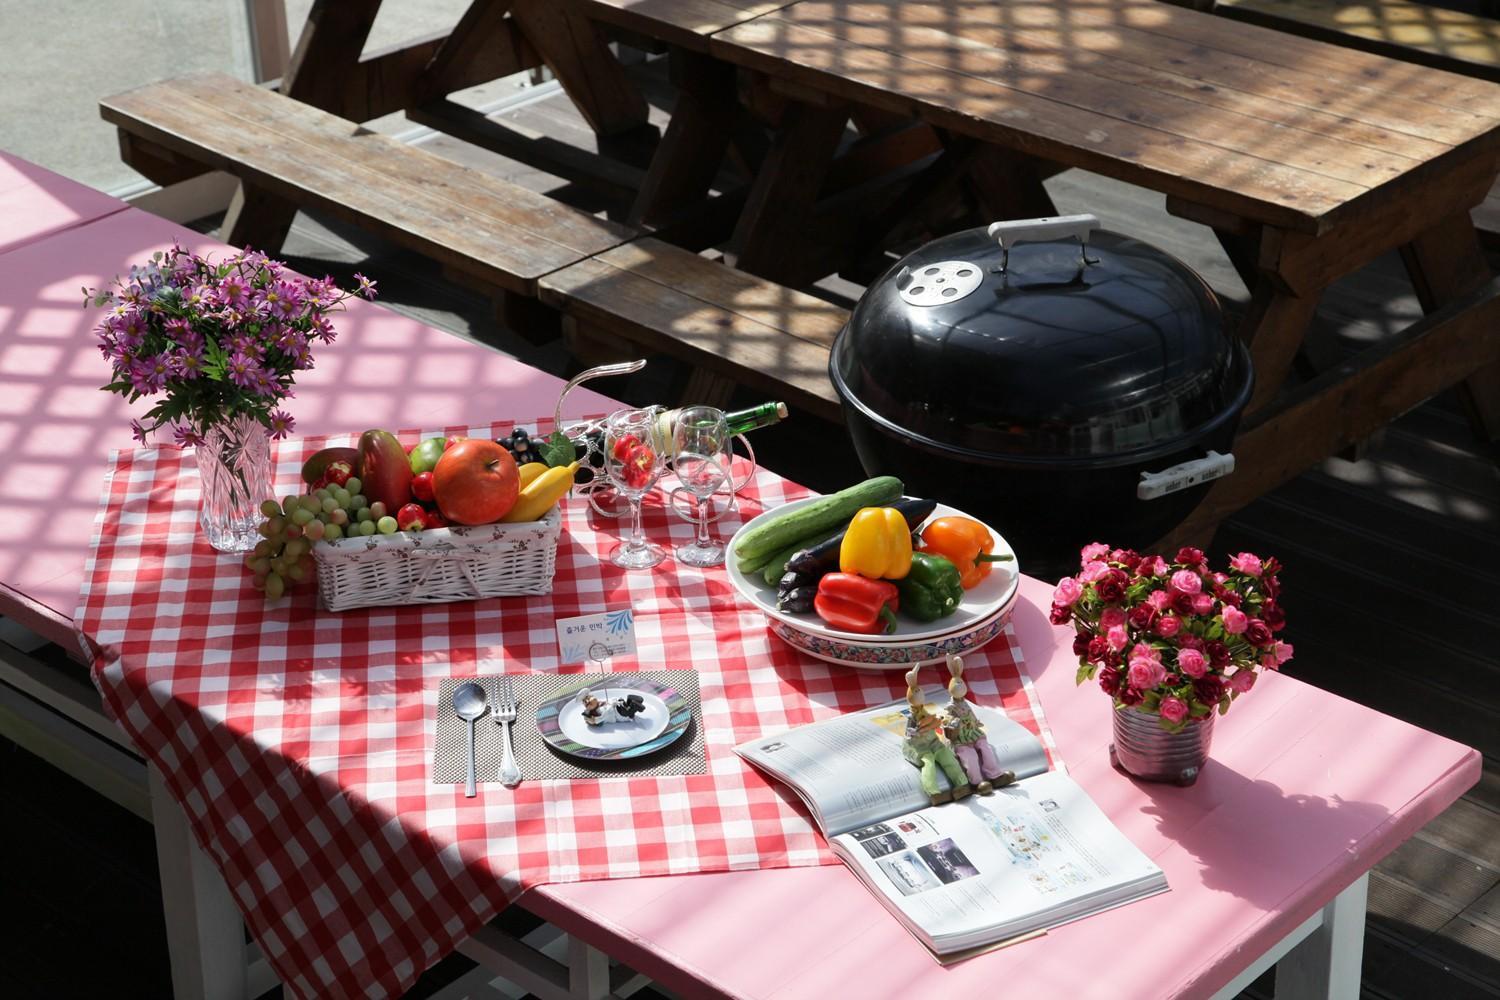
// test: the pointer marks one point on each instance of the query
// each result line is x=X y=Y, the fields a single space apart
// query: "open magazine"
x=962 y=876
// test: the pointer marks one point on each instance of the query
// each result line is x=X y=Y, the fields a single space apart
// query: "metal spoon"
x=468 y=704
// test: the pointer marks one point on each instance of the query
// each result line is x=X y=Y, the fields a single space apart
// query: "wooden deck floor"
x=1394 y=568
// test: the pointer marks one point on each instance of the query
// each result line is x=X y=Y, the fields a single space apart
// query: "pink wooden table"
x=35 y=203
x=1304 y=793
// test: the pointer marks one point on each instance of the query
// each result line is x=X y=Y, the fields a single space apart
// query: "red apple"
x=421 y=486
x=475 y=482
x=411 y=517
x=434 y=520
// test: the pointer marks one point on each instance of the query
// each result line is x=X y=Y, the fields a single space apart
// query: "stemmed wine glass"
x=633 y=462
x=702 y=455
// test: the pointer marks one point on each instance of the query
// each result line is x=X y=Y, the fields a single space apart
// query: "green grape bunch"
x=283 y=556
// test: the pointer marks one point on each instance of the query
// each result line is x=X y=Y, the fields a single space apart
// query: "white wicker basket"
x=445 y=564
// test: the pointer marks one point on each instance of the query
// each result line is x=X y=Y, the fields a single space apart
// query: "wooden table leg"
x=322 y=68
x=1444 y=263
x=786 y=190
x=576 y=52
x=697 y=138
x=1274 y=327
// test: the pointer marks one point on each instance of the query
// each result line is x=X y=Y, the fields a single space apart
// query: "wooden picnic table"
x=1307 y=160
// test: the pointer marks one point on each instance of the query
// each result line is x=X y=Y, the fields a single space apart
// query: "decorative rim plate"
x=560 y=722
x=874 y=656
x=979 y=604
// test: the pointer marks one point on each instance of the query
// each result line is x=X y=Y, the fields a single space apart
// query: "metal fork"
x=505 y=714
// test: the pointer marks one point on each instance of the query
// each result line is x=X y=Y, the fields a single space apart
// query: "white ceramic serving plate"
x=894 y=656
x=979 y=605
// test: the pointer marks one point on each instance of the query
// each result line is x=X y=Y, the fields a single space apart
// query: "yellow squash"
x=544 y=490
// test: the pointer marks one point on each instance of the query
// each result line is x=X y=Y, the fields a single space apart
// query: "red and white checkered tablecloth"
x=298 y=740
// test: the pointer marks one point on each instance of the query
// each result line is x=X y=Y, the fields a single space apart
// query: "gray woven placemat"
x=534 y=757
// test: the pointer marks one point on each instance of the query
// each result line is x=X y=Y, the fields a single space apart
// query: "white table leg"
x=1326 y=964
x=205 y=933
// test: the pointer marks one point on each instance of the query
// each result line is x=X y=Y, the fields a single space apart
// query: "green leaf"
x=557 y=449
x=1199 y=710
x=1086 y=672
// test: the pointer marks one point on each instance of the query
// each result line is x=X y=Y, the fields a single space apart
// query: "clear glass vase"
x=234 y=464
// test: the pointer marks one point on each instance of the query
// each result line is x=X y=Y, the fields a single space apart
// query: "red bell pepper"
x=853 y=603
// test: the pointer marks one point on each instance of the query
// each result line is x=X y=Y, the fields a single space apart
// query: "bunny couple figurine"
x=961 y=750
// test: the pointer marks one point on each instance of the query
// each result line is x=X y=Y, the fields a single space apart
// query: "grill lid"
x=1045 y=340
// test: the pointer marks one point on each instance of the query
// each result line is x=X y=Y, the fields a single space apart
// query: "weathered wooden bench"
x=608 y=284
x=729 y=324
x=1400 y=29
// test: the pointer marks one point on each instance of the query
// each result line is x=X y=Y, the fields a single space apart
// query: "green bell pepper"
x=931 y=590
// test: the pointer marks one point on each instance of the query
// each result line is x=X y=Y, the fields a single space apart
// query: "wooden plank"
x=324 y=63
x=786 y=189
x=1245 y=184
x=159 y=165
x=1434 y=36
x=452 y=213
x=406 y=171
x=693 y=148
x=257 y=218
x=483 y=35
x=1083 y=69
x=579 y=56
x=682 y=23
x=535 y=149
x=1346 y=404
x=720 y=320
x=1445 y=262
x=1274 y=328
x=1449 y=93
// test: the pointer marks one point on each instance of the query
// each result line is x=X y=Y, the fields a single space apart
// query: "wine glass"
x=633 y=461
x=702 y=454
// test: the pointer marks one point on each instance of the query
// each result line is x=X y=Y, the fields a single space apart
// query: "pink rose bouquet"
x=1175 y=639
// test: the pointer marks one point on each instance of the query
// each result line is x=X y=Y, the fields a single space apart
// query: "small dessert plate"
x=664 y=717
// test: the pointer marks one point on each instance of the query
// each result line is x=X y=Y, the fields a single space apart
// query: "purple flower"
x=281 y=424
x=323 y=329
x=282 y=300
x=265 y=383
x=179 y=328
x=149 y=374
x=187 y=364
x=233 y=292
x=185 y=436
x=137 y=431
x=366 y=286
x=246 y=343
x=242 y=369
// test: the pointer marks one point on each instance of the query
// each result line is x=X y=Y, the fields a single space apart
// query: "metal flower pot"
x=1143 y=749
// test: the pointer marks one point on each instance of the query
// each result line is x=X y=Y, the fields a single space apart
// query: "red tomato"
x=625 y=445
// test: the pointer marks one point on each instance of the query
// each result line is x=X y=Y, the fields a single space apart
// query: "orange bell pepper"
x=965 y=543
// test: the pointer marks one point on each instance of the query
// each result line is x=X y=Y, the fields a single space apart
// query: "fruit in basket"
x=421 y=487
x=314 y=466
x=385 y=470
x=541 y=493
x=476 y=482
x=411 y=517
x=338 y=473
x=424 y=457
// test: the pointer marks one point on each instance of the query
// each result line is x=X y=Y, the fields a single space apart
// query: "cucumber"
x=750 y=567
x=823 y=514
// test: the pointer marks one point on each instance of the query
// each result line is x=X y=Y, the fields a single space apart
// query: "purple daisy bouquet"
x=216 y=340
x=1176 y=639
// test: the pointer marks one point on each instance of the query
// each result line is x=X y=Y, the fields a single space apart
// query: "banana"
x=538 y=496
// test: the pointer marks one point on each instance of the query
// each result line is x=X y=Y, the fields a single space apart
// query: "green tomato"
x=424 y=457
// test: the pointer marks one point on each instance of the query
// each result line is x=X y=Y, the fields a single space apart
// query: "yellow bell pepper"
x=530 y=471
x=877 y=545
x=538 y=496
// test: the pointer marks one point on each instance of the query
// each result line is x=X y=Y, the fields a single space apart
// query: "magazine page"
x=990 y=868
x=850 y=771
